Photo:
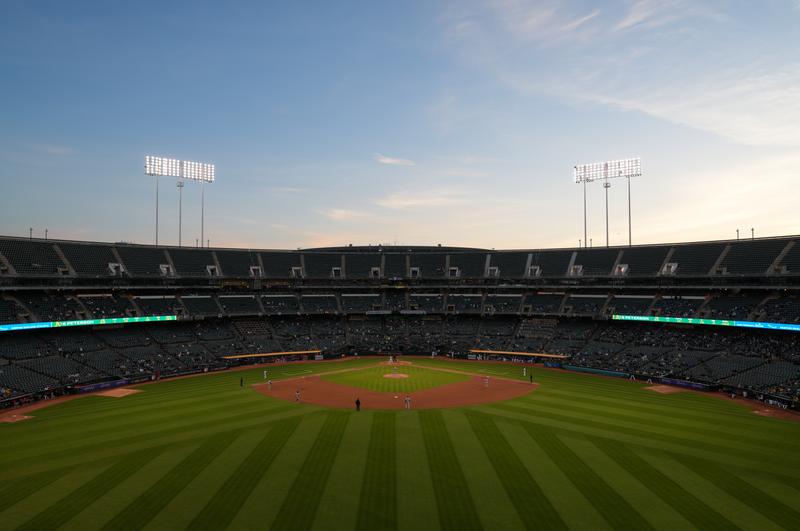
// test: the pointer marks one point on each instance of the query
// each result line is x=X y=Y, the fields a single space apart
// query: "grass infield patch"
x=372 y=379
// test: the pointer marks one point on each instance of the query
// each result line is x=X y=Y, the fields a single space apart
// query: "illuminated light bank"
x=710 y=322
x=87 y=322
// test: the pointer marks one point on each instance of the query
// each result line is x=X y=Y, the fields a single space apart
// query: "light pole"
x=158 y=167
x=608 y=170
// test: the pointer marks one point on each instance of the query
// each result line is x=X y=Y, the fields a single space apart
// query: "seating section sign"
x=87 y=322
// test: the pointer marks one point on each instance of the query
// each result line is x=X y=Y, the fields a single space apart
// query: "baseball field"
x=575 y=452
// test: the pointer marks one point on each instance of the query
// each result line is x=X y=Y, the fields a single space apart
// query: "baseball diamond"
x=576 y=451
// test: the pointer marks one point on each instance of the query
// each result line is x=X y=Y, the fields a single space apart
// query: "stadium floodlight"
x=196 y=171
x=205 y=174
x=161 y=167
x=608 y=170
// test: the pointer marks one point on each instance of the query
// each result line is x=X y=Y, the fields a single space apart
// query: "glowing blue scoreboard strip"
x=87 y=322
x=711 y=322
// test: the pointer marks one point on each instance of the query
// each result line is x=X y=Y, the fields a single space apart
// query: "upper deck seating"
x=237 y=263
x=31 y=257
x=752 y=257
x=141 y=261
x=552 y=264
x=280 y=264
x=470 y=265
x=596 y=261
x=584 y=305
x=644 y=261
x=395 y=266
x=88 y=259
x=190 y=262
x=465 y=302
x=321 y=265
x=510 y=264
x=431 y=265
x=696 y=260
x=360 y=265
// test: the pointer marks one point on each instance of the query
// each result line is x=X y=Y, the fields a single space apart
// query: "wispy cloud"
x=411 y=201
x=697 y=69
x=293 y=190
x=386 y=160
x=339 y=214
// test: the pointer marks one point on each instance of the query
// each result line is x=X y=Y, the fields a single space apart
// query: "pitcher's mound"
x=395 y=376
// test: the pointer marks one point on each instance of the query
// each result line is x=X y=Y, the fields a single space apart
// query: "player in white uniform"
x=408 y=402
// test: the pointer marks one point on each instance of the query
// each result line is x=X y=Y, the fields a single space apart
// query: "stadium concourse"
x=720 y=315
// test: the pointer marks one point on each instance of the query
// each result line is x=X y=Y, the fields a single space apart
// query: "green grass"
x=580 y=452
x=418 y=379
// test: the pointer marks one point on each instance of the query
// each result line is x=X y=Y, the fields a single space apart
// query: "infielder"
x=270 y=384
x=408 y=402
x=297 y=397
x=485 y=382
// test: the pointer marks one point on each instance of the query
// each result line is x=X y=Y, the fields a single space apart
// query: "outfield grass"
x=580 y=452
x=372 y=379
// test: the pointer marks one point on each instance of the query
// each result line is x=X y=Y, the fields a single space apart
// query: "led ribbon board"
x=87 y=322
x=711 y=322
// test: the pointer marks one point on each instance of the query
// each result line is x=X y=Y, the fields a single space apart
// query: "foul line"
x=295 y=373
x=492 y=372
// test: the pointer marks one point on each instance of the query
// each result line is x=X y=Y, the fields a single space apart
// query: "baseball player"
x=485 y=382
x=270 y=384
x=297 y=397
x=408 y=402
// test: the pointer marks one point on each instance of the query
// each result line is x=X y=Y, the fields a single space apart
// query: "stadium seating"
x=89 y=260
x=696 y=260
x=191 y=262
x=428 y=302
x=644 y=261
x=752 y=257
x=325 y=303
x=25 y=381
x=677 y=307
x=237 y=263
x=432 y=265
x=153 y=306
x=360 y=302
x=20 y=347
x=140 y=261
x=395 y=266
x=109 y=307
x=596 y=262
x=239 y=305
x=9 y=312
x=202 y=305
x=321 y=265
x=54 y=308
x=282 y=304
x=31 y=257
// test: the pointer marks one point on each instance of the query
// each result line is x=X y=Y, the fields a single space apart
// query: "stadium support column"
x=585 y=232
x=157 y=176
x=606 y=185
x=180 y=207
x=630 y=238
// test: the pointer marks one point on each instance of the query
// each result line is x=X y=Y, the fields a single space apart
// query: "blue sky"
x=419 y=123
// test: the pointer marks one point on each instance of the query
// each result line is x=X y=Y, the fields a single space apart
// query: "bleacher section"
x=280 y=264
x=470 y=265
x=544 y=303
x=319 y=303
x=584 y=305
x=675 y=307
x=9 y=312
x=596 y=262
x=395 y=301
x=428 y=302
x=360 y=303
x=782 y=310
x=503 y=303
x=159 y=305
x=237 y=263
x=282 y=304
x=552 y=264
x=629 y=305
x=360 y=265
x=511 y=264
x=395 y=266
x=472 y=302
x=24 y=381
x=736 y=308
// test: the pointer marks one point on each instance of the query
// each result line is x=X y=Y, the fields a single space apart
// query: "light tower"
x=608 y=170
x=196 y=171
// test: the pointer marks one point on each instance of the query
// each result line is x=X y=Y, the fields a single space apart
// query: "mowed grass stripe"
x=453 y=498
x=530 y=501
x=691 y=508
x=377 y=508
x=190 y=429
x=300 y=505
x=144 y=508
x=764 y=504
x=87 y=494
x=614 y=508
x=581 y=422
x=221 y=510
x=29 y=485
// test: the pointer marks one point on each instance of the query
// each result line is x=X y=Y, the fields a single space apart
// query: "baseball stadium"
x=159 y=387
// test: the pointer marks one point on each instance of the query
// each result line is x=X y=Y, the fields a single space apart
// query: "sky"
x=410 y=123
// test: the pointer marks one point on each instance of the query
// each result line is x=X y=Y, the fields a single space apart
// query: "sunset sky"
x=417 y=122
